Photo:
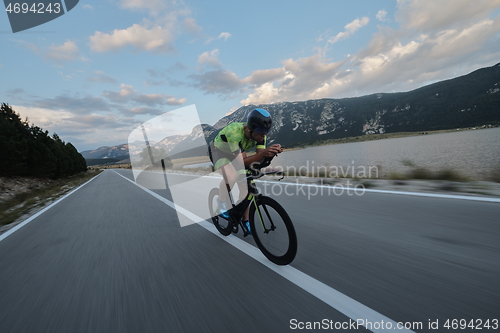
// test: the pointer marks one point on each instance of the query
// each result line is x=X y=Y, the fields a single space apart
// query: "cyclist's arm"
x=248 y=160
x=261 y=154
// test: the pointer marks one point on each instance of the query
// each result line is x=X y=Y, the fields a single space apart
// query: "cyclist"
x=228 y=154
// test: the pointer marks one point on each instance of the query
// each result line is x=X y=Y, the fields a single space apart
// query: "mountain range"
x=465 y=101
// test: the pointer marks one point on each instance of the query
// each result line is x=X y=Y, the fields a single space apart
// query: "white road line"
x=437 y=195
x=340 y=302
x=418 y=194
x=31 y=218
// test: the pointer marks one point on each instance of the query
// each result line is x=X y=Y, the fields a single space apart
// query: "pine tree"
x=28 y=150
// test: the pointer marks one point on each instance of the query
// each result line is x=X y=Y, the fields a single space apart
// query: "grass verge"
x=22 y=203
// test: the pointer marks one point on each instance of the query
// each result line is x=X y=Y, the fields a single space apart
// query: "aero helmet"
x=259 y=121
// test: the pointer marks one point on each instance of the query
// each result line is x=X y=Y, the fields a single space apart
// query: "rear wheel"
x=221 y=224
x=273 y=231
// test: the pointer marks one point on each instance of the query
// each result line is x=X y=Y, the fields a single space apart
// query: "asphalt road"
x=113 y=258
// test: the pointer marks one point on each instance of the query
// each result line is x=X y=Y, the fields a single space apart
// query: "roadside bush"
x=450 y=175
x=495 y=175
x=418 y=172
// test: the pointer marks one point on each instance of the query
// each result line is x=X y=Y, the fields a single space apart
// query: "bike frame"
x=253 y=195
x=271 y=215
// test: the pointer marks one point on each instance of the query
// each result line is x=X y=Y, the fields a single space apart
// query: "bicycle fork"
x=261 y=219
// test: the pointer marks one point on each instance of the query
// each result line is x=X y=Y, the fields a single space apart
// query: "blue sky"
x=95 y=73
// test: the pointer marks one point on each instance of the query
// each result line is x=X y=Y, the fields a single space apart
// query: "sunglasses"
x=260 y=131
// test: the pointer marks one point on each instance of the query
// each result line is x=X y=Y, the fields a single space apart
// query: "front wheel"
x=221 y=224
x=273 y=230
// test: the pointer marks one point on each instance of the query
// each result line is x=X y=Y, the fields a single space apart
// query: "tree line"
x=29 y=151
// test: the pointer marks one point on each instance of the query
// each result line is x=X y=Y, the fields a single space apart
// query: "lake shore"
x=381 y=136
x=414 y=168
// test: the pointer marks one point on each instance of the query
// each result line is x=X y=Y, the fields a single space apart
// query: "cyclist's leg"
x=233 y=172
x=229 y=177
x=246 y=214
x=222 y=163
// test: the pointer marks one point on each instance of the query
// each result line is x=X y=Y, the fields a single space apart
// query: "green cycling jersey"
x=231 y=139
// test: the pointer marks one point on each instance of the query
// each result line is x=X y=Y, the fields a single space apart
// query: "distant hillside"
x=106 y=152
x=466 y=101
x=104 y=161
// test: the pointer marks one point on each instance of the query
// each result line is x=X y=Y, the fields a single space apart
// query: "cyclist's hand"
x=273 y=150
x=279 y=147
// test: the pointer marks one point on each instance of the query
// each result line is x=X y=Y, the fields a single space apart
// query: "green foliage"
x=27 y=150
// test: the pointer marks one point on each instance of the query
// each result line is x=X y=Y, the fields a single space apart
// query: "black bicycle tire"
x=225 y=231
x=291 y=252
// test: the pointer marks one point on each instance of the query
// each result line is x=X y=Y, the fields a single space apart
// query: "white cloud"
x=393 y=61
x=101 y=77
x=144 y=110
x=175 y=101
x=157 y=39
x=125 y=93
x=60 y=54
x=297 y=79
x=82 y=130
x=350 y=29
x=210 y=59
x=427 y=15
x=128 y=94
x=153 y=5
x=192 y=27
x=80 y=119
x=87 y=6
x=30 y=46
x=430 y=43
x=166 y=20
x=153 y=99
x=262 y=76
x=43 y=117
x=218 y=81
x=224 y=35
x=77 y=104
x=265 y=93
x=304 y=78
x=382 y=15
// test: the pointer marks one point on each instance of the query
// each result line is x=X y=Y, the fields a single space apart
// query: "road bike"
x=270 y=225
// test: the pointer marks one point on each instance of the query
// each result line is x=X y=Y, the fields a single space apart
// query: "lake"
x=473 y=153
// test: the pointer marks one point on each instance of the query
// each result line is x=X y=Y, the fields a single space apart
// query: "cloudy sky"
x=95 y=73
